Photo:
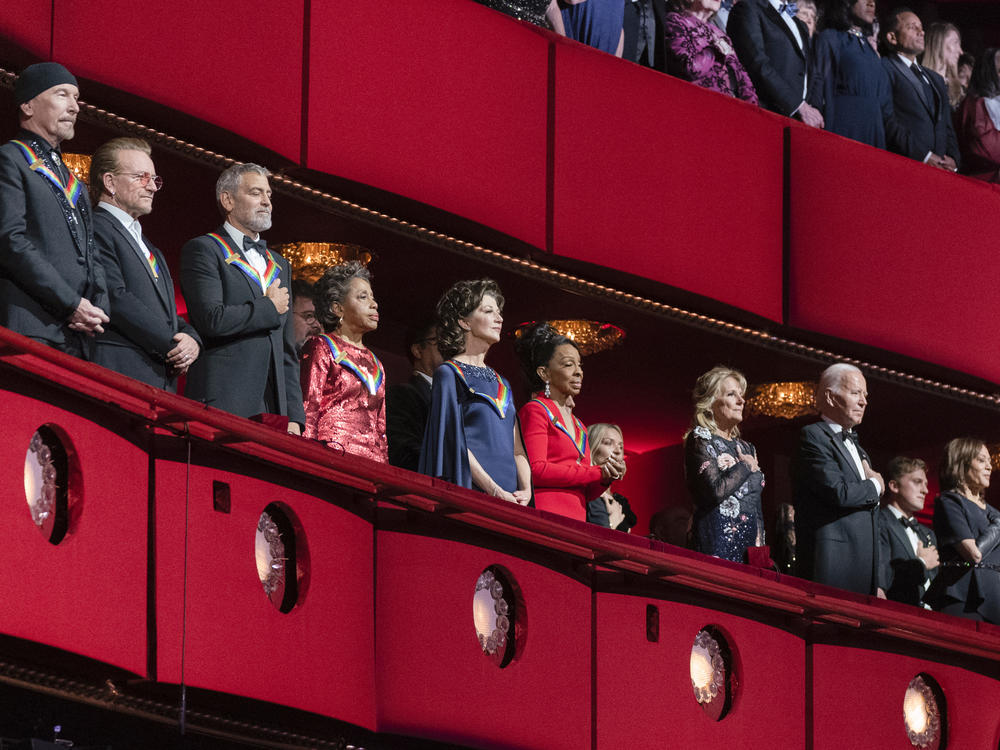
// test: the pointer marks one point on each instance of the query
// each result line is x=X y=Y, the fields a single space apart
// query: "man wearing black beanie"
x=52 y=286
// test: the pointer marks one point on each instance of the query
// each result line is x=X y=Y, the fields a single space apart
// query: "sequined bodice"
x=526 y=10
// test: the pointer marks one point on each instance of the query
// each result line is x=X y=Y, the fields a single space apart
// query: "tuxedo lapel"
x=238 y=248
x=775 y=18
x=902 y=540
x=129 y=240
x=838 y=444
x=916 y=83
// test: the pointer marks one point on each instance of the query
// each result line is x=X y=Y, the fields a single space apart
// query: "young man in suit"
x=146 y=339
x=52 y=286
x=836 y=490
x=237 y=295
x=408 y=404
x=908 y=548
x=774 y=47
x=921 y=125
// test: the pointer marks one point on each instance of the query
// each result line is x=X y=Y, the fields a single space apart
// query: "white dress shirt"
x=852 y=449
x=132 y=225
x=255 y=258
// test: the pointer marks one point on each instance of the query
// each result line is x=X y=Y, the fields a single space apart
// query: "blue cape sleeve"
x=444 y=453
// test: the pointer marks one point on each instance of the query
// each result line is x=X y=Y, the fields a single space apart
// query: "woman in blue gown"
x=857 y=98
x=472 y=437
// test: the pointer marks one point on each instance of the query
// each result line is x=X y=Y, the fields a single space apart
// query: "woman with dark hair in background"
x=968 y=535
x=563 y=476
x=978 y=120
x=472 y=437
x=343 y=382
x=723 y=476
x=610 y=509
x=857 y=98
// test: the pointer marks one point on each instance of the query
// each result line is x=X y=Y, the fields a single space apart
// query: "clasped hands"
x=612 y=469
x=87 y=318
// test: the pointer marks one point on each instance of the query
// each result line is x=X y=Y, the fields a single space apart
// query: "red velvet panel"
x=432 y=677
x=894 y=254
x=88 y=593
x=238 y=65
x=443 y=101
x=644 y=690
x=29 y=25
x=858 y=700
x=318 y=657
x=665 y=180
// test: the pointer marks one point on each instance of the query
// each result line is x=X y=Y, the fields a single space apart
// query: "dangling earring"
x=548 y=390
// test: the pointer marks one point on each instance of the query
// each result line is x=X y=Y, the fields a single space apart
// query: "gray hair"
x=229 y=181
x=833 y=377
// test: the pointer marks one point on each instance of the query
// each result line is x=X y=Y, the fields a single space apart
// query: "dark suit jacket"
x=406 y=408
x=630 y=25
x=773 y=59
x=45 y=266
x=903 y=574
x=247 y=344
x=919 y=124
x=836 y=513
x=143 y=311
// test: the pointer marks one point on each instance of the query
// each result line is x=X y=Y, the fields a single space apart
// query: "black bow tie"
x=258 y=245
x=849 y=436
x=910 y=523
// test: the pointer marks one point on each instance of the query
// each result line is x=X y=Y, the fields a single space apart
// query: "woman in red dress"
x=556 y=442
x=343 y=382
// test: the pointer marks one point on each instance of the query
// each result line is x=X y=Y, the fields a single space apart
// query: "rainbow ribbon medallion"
x=579 y=440
x=371 y=381
x=501 y=402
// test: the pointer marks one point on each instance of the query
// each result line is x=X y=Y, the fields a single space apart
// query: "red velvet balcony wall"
x=28 y=25
x=442 y=101
x=236 y=65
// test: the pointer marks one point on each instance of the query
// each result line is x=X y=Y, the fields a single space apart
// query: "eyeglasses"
x=144 y=178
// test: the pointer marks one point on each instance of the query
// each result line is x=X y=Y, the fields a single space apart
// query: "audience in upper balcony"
x=978 y=120
x=145 y=339
x=808 y=13
x=920 y=127
x=968 y=533
x=611 y=509
x=643 y=32
x=237 y=296
x=942 y=51
x=52 y=285
x=908 y=549
x=722 y=472
x=343 y=382
x=856 y=98
x=304 y=321
x=407 y=404
x=562 y=473
x=472 y=437
x=543 y=13
x=697 y=51
x=597 y=23
x=836 y=490
x=775 y=49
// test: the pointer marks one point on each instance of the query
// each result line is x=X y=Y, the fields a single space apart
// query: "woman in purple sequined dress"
x=697 y=51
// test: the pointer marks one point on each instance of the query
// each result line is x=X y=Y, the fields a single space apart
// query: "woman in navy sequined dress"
x=544 y=13
x=472 y=437
x=723 y=476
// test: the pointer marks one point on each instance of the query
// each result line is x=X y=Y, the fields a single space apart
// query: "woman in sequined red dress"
x=343 y=382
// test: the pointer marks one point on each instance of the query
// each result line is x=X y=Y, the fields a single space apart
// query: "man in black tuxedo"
x=774 y=47
x=836 y=490
x=52 y=286
x=408 y=404
x=908 y=549
x=921 y=125
x=237 y=296
x=643 y=32
x=146 y=339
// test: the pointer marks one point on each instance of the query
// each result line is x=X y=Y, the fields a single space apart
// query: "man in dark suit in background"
x=775 y=49
x=408 y=404
x=908 y=549
x=146 y=339
x=643 y=32
x=836 y=490
x=921 y=125
x=305 y=324
x=52 y=286
x=237 y=295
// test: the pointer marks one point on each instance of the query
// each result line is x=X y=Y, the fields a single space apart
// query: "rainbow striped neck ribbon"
x=36 y=163
x=370 y=380
x=500 y=402
x=579 y=440
x=234 y=258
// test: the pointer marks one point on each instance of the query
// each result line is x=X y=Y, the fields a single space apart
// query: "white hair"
x=833 y=378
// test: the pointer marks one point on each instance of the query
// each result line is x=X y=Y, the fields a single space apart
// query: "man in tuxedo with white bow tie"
x=237 y=292
x=145 y=339
x=836 y=490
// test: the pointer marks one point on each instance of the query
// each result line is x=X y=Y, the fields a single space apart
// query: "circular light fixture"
x=590 y=336
x=711 y=673
x=785 y=400
x=309 y=260
x=923 y=713
x=279 y=551
x=49 y=473
x=498 y=615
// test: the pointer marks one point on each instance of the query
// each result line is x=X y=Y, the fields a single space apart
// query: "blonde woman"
x=942 y=49
x=610 y=509
x=723 y=476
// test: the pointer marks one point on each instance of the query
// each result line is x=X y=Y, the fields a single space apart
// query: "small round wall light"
x=924 y=713
x=51 y=481
x=498 y=614
x=280 y=554
x=712 y=673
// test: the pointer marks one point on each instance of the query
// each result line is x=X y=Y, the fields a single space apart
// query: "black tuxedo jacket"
x=406 y=408
x=836 y=513
x=775 y=62
x=143 y=311
x=903 y=574
x=45 y=265
x=248 y=359
x=920 y=124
